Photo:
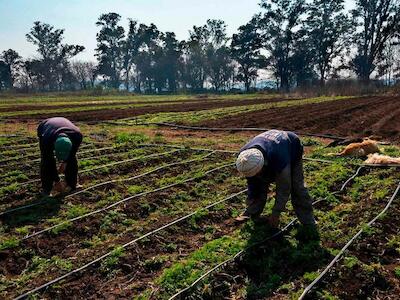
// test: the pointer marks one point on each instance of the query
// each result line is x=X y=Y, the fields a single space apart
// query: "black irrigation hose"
x=304 y=158
x=108 y=182
x=337 y=257
x=18 y=147
x=127 y=245
x=9 y=135
x=238 y=254
x=232 y=258
x=226 y=151
x=230 y=129
x=82 y=152
x=30 y=147
x=97 y=211
x=108 y=165
x=38 y=159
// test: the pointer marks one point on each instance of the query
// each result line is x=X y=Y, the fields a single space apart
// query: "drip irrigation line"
x=19 y=143
x=29 y=147
x=338 y=256
x=108 y=207
x=304 y=158
x=110 y=165
x=226 y=151
x=140 y=175
x=22 y=207
x=83 y=152
x=351 y=179
x=234 y=257
x=109 y=182
x=43 y=286
x=129 y=160
x=231 y=129
x=38 y=159
x=18 y=147
x=9 y=135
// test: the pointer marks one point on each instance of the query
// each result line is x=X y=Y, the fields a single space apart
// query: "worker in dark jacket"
x=58 y=137
x=275 y=156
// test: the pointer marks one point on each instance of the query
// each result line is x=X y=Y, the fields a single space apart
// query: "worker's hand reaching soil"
x=61 y=167
x=59 y=188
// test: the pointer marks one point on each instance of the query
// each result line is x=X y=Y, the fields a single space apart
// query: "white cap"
x=250 y=162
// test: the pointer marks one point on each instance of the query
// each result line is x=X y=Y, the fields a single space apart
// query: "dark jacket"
x=49 y=130
x=281 y=149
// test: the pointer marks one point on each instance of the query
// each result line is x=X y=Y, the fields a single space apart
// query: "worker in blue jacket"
x=275 y=156
x=59 y=139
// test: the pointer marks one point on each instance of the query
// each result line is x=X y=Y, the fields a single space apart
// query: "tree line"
x=297 y=43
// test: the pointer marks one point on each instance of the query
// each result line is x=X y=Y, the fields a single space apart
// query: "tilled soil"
x=33 y=106
x=113 y=114
x=382 y=283
x=359 y=117
x=97 y=283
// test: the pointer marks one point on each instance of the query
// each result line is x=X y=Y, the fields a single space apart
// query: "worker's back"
x=279 y=148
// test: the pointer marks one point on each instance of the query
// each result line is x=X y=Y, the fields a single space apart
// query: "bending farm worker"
x=59 y=139
x=275 y=156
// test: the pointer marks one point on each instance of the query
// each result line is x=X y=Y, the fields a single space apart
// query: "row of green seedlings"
x=366 y=227
x=112 y=170
x=90 y=196
x=200 y=189
x=8 y=143
x=371 y=264
x=90 y=165
x=32 y=150
x=85 y=157
x=301 y=261
x=170 y=281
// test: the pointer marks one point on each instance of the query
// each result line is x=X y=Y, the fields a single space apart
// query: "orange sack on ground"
x=382 y=159
x=360 y=149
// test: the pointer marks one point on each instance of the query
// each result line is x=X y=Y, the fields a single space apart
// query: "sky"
x=78 y=18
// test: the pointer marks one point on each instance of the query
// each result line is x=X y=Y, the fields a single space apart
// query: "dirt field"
x=158 y=206
x=360 y=117
x=113 y=114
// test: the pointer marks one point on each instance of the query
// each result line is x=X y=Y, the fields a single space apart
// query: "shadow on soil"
x=46 y=208
x=270 y=265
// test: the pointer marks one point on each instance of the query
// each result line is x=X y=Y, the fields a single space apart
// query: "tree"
x=13 y=60
x=171 y=60
x=245 y=49
x=206 y=57
x=85 y=73
x=53 y=65
x=194 y=58
x=219 y=67
x=146 y=61
x=280 y=24
x=110 y=45
x=131 y=50
x=302 y=63
x=378 y=22
x=329 y=29
x=5 y=75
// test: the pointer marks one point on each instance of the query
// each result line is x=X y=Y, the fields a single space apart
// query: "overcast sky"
x=78 y=18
